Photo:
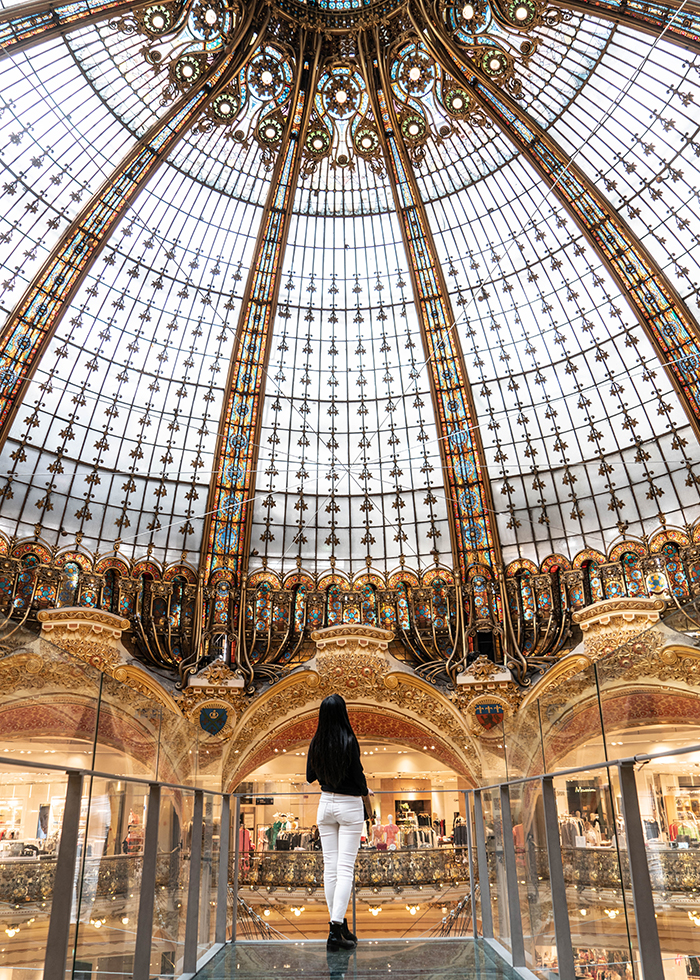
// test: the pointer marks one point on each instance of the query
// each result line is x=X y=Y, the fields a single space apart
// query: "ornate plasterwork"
x=94 y=637
x=366 y=679
x=216 y=677
x=484 y=682
x=611 y=624
x=352 y=637
x=561 y=673
x=91 y=635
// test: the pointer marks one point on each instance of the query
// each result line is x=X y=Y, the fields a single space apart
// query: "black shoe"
x=346 y=932
x=336 y=939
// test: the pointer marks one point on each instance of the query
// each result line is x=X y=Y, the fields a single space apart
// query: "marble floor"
x=434 y=959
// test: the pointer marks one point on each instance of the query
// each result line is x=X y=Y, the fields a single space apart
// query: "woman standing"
x=334 y=760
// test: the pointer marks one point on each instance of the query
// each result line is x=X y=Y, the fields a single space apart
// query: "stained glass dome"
x=343 y=311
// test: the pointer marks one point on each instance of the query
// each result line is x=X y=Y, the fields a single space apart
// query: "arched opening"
x=408 y=868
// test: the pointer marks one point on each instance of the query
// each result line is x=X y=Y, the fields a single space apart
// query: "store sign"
x=489 y=715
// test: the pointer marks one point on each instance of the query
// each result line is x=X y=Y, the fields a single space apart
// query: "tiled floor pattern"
x=436 y=959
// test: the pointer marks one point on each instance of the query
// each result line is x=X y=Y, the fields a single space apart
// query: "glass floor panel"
x=441 y=959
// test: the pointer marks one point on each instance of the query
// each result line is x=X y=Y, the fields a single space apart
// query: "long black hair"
x=334 y=744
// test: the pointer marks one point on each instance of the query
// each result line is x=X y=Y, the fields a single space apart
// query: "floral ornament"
x=269 y=133
x=491 y=33
x=317 y=145
x=181 y=39
x=341 y=126
x=367 y=145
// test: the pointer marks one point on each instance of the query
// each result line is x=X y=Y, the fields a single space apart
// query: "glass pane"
x=669 y=801
x=128 y=732
x=594 y=857
x=110 y=880
x=533 y=873
x=31 y=815
x=209 y=877
x=172 y=879
x=496 y=869
x=410 y=879
x=569 y=715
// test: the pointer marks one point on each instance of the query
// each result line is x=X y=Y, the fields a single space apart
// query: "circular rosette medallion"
x=270 y=131
x=267 y=77
x=415 y=73
x=414 y=128
x=456 y=101
x=521 y=13
x=188 y=69
x=494 y=62
x=318 y=141
x=366 y=140
x=341 y=95
x=157 y=19
x=225 y=106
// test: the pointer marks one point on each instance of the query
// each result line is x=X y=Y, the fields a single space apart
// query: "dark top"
x=354 y=782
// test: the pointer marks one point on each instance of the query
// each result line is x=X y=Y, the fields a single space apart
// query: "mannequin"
x=391 y=830
x=378 y=835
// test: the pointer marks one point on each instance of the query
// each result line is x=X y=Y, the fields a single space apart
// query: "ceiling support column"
x=26 y=24
x=475 y=546
x=226 y=540
x=677 y=23
x=34 y=321
x=662 y=314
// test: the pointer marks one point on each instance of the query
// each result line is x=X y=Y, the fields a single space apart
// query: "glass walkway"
x=433 y=959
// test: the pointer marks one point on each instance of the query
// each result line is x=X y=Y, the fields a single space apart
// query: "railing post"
x=236 y=866
x=144 y=928
x=562 y=928
x=482 y=864
x=467 y=810
x=517 y=944
x=642 y=896
x=222 y=882
x=62 y=902
x=189 y=964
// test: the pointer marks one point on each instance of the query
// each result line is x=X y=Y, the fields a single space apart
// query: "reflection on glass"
x=594 y=857
x=110 y=863
x=31 y=816
x=410 y=879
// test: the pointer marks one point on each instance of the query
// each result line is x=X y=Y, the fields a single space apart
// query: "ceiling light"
x=210 y=17
x=414 y=74
x=468 y=11
x=521 y=12
x=266 y=77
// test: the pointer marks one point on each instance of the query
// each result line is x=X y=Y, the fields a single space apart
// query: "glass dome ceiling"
x=330 y=287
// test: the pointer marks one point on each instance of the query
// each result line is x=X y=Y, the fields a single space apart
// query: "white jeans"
x=340 y=821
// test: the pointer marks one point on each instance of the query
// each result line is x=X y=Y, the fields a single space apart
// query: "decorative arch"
x=588 y=555
x=521 y=565
x=375 y=687
x=368 y=721
x=555 y=563
x=73 y=556
x=627 y=547
x=269 y=578
x=180 y=571
x=668 y=536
